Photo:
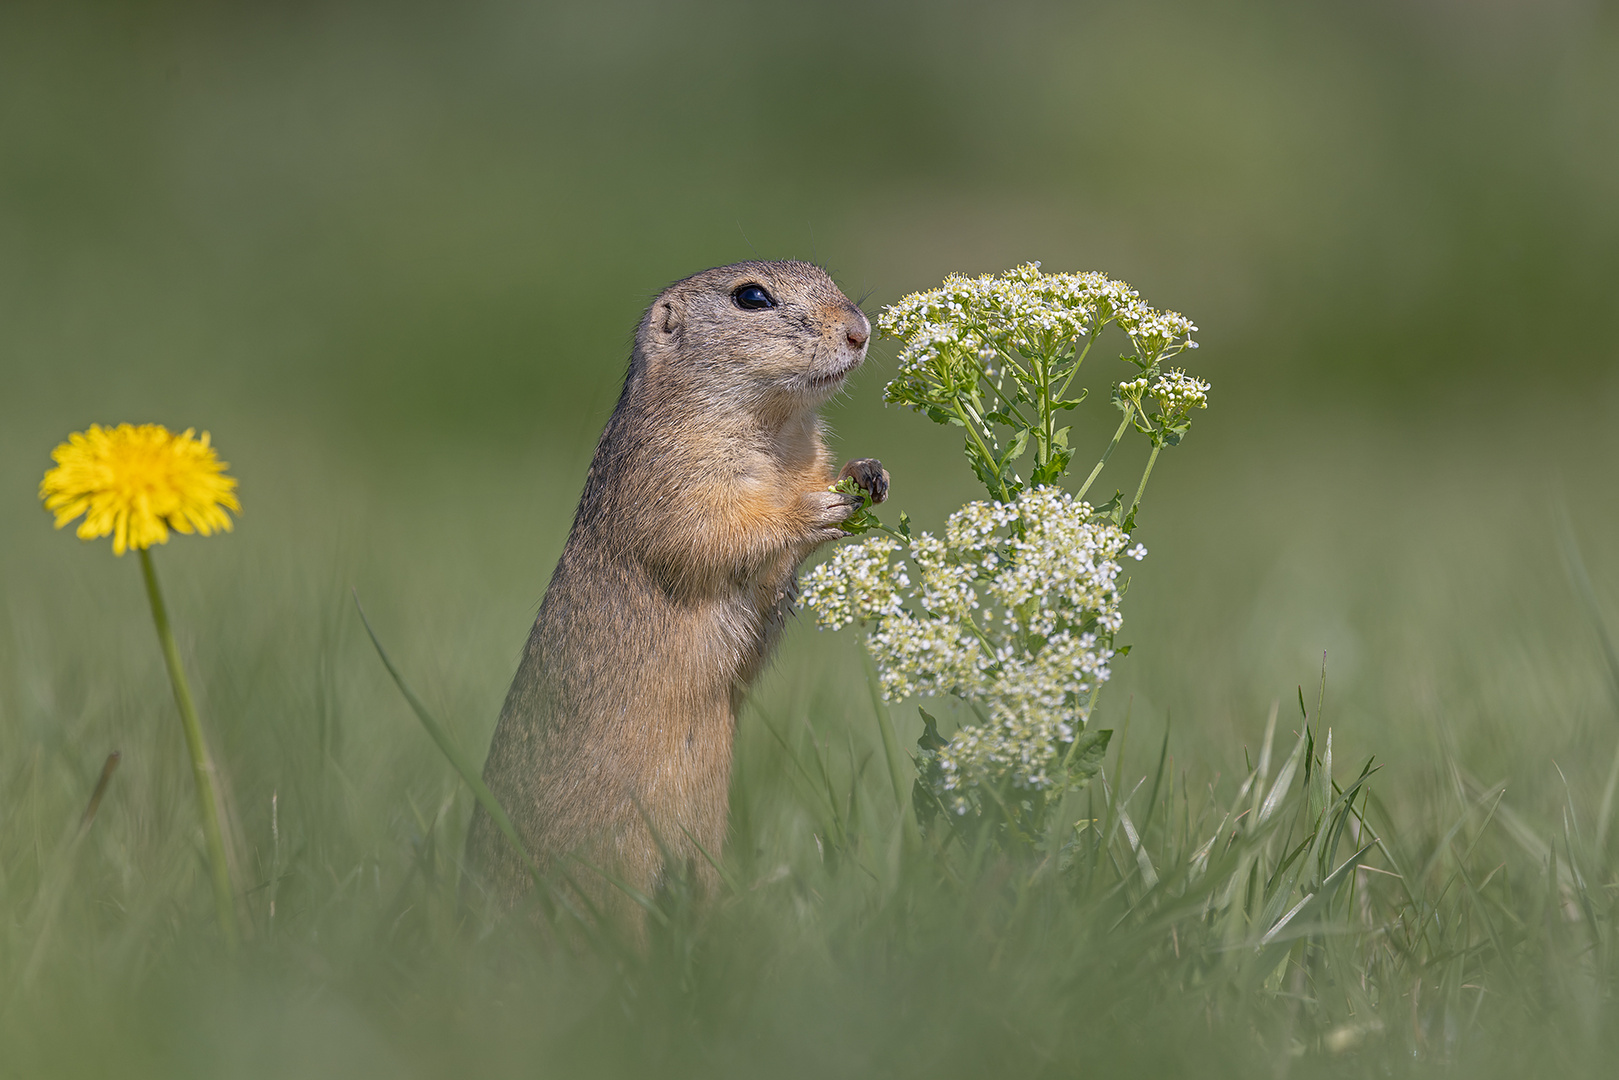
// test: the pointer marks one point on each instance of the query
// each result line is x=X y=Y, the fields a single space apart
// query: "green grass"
x=1479 y=936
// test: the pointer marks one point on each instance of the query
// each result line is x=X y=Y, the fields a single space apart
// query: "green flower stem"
x=1008 y=406
x=1151 y=460
x=1117 y=435
x=1010 y=360
x=1086 y=351
x=972 y=628
x=202 y=770
x=972 y=430
x=1043 y=402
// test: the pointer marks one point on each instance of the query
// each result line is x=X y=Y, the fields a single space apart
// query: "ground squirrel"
x=708 y=488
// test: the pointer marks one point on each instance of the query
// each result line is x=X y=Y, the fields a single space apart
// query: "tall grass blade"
x=895 y=756
x=452 y=753
x=58 y=875
x=1284 y=778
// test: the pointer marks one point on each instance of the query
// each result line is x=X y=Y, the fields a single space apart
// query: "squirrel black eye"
x=753 y=298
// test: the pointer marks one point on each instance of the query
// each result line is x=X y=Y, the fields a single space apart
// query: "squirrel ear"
x=666 y=319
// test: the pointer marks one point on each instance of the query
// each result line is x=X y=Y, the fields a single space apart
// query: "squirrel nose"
x=857 y=329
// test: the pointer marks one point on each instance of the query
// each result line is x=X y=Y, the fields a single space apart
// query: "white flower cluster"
x=955 y=333
x=859 y=583
x=1013 y=610
x=1179 y=393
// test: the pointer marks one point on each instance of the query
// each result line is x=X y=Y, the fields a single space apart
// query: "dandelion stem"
x=202 y=769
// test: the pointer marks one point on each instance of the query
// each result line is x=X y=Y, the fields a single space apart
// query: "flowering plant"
x=1014 y=609
x=137 y=483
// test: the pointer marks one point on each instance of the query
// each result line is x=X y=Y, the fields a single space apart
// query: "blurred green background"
x=391 y=256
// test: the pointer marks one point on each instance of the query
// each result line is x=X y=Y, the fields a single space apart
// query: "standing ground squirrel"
x=708 y=488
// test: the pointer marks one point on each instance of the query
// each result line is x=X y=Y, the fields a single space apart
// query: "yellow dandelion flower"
x=137 y=483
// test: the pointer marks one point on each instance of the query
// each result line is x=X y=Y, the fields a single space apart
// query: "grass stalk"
x=895 y=756
x=48 y=901
x=458 y=759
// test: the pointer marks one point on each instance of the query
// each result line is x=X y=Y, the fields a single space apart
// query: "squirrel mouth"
x=832 y=378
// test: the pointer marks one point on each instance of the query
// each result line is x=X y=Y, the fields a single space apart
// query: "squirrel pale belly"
x=708 y=488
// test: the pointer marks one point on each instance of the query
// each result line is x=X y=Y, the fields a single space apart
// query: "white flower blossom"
x=1013 y=610
x=972 y=328
x=1179 y=393
x=858 y=583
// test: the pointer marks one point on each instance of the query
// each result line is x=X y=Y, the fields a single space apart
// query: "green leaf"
x=1084 y=758
x=924 y=798
x=1110 y=510
x=925 y=803
x=862 y=520
x=930 y=742
x=939 y=416
x=986 y=471
x=1054 y=468
x=1020 y=443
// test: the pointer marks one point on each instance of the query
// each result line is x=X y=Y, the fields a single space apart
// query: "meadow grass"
x=391 y=255
x=1450 y=896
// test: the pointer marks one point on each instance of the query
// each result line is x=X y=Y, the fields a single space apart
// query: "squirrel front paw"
x=828 y=510
x=869 y=475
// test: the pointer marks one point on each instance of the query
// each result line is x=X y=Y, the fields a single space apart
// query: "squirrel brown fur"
x=709 y=486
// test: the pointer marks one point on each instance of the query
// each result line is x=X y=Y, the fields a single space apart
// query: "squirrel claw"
x=870 y=475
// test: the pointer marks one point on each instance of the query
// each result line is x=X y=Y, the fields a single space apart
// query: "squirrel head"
x=771 y=337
